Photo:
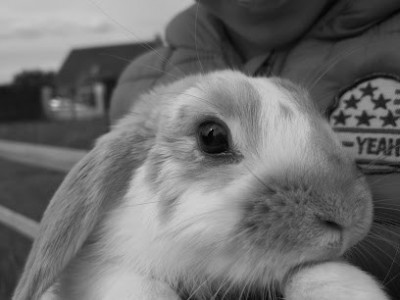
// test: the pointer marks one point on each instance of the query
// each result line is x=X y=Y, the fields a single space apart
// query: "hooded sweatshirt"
x=349 y=60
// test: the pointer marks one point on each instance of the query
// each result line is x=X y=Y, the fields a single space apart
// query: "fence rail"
x=18 y=222
x=49 y=157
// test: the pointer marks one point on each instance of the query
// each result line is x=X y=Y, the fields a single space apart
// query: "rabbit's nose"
x=330 y=223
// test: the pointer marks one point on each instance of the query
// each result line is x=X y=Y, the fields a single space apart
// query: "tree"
x=34 y=79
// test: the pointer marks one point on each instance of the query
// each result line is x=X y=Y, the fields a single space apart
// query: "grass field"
x=27 y=190
x=73 y=134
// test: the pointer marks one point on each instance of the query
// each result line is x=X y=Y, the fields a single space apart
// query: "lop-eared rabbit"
x=217 y=186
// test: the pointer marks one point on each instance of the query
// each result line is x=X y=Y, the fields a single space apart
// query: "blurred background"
x=59 y=63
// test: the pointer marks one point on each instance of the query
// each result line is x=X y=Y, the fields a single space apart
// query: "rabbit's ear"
x=94 y=186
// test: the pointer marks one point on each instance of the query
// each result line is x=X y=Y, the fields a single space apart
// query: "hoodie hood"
x=348 y=18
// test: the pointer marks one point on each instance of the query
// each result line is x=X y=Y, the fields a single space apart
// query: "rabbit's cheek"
x=210 y=215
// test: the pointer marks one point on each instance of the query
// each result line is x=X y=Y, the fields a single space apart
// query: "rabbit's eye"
x=213 y=138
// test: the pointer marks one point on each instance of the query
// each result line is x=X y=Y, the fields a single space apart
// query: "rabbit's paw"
x=333 y=281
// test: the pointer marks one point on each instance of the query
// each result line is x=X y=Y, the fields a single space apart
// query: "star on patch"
x=380 y=102
x=389 y=119
x=341 y=118
x=352 y=102
x=364 y=118
x=368 y=90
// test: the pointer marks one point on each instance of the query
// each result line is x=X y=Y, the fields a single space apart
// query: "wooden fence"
x=54 y=158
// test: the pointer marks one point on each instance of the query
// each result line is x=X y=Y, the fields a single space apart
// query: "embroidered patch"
x=367 y=120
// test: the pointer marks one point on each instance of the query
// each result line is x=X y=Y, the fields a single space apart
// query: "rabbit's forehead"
x=250 y=104
x=245 y=97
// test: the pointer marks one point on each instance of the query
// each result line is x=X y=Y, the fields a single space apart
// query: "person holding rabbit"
x=255 y=155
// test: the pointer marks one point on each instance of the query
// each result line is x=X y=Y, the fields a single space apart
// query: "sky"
x=38 y=34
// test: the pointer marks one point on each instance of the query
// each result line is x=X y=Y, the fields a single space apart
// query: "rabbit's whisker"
x=392 y=279
x=210 y=103
x=373 y=245
x=221 y=286
x=384 y=281
x=195 y=37
x=310 y=85
x=245 y=287
x=142 y=65
x=383 y=202
x=389 y=207
x=378 y=229
x=197 y=289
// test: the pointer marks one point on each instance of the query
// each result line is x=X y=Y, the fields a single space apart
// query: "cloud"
x=39 y=34
x=57 y=27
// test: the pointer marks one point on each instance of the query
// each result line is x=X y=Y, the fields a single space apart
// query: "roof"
x=103 y=63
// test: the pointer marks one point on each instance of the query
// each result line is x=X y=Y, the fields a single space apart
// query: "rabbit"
x=216 y=186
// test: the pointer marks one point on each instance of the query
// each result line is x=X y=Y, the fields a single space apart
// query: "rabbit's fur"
x=148 y=215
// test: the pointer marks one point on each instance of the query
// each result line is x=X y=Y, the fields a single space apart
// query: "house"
x=87 y=77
